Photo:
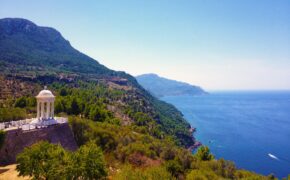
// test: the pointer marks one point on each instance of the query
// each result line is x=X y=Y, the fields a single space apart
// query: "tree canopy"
x=203 y=154
x=49 y=161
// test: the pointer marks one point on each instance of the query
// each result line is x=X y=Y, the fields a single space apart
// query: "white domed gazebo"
x=45 y=111
x=45 y=105
x=45 y=114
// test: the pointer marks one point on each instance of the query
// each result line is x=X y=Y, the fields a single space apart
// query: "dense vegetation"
x=48 y=161
x=109 y=113
x=92 y=101
x=129 y=148
x=129 y=154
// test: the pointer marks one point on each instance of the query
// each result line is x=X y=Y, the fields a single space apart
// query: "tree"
x=98 y=114
x=63 y=92
x=59 y=106
x=203 y=154
x=8 y=114
x=31 y=101
x=49 y=161
x=43 y=161
x=89 y=161
x=173 y=167
x=74 y=107
x=20 y=102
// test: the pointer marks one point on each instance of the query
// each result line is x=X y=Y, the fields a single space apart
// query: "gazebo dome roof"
x=45 y=94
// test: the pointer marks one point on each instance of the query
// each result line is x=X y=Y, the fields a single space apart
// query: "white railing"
x=61 y=120
x=27 y=124
x=2 y=126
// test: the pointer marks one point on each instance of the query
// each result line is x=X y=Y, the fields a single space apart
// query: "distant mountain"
x=159 y=86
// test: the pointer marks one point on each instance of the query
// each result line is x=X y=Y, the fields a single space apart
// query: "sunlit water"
x=245 y=127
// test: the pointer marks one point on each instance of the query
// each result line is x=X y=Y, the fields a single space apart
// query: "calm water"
x=243 y=127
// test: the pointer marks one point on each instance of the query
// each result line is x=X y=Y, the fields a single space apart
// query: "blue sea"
x=244 y=127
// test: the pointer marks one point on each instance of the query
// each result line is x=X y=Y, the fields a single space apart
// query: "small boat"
x=272 y=156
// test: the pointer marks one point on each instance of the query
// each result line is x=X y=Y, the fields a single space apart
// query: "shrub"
x=20 y=102
x=10 y=114
x=203 y=154
x=89 y=161
x=43 y=161
x=85 y=130
x=48 y=161
x=202 y=175
x=173 y=167
x=152 y=173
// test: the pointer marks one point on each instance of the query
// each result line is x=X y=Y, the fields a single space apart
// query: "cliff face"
x=17 y=140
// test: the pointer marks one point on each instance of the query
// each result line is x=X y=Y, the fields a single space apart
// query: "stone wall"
x=16 y=140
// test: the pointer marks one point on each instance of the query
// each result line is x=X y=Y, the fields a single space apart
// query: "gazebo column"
x=42 y=110
x=47 y=109
x=38 y=111
x=52 y=110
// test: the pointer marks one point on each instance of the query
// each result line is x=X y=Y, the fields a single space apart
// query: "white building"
x=45 y=105
x=45 y=109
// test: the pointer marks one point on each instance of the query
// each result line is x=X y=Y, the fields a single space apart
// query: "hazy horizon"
x=218 y=45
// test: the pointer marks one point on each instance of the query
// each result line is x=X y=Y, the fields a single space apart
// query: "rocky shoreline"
x=196 y=144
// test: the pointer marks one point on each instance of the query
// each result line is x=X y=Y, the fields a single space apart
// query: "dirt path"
x=9 y=173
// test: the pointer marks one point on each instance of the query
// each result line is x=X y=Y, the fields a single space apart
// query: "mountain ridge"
x=43 y=41
x=160 y=86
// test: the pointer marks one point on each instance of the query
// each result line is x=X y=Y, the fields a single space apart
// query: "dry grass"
x=9 y=173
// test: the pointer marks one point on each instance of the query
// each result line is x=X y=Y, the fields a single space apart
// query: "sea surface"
x=245 y=127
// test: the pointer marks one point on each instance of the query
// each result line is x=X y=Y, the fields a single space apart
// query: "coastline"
x=196 y=144
x=233 y=125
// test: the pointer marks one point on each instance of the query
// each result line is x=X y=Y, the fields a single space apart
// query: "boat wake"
x=273 y=157
x=278 y=159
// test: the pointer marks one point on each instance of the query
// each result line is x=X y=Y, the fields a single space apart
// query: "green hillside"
x=36 y=56
x=123 y=132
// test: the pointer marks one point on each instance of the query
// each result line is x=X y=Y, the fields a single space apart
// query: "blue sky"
x=217 y=44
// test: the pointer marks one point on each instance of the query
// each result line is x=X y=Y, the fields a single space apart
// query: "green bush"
x=243 y=174
x=11 y=114
x=173 y=167
x=203 y=154
x=89 y=161
x=48 y=161
x=43 y=161
x=21 y=102
x=102 y=134
x=202 y=175
x=152 y=173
